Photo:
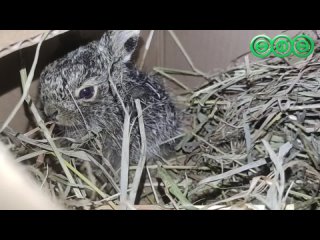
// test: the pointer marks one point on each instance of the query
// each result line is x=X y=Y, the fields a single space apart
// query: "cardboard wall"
x=209 y=50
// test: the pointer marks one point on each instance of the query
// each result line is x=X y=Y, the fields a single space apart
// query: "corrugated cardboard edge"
x=28 y=42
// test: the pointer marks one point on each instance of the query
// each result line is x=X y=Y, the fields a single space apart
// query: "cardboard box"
x=208 y=49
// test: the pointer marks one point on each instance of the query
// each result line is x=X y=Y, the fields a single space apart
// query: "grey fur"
x=94 y=65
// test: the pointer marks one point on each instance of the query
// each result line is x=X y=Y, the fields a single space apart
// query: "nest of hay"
x=253 y=143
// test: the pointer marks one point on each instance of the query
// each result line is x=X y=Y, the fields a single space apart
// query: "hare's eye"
x=86 y=93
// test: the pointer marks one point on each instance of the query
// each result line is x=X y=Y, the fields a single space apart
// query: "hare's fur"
x=95 y=65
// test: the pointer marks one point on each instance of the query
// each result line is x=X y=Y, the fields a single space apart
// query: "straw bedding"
x=252 y=143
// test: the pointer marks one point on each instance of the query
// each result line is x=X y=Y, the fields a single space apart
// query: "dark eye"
x=86 y=93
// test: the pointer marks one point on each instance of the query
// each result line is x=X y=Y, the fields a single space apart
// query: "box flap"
x=12 y=40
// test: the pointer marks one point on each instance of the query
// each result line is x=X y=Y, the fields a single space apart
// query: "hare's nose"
x=51 y=112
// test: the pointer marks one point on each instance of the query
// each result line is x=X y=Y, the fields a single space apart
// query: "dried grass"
x=253 y=143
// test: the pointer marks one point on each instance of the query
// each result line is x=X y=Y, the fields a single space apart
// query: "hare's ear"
x=120 y=43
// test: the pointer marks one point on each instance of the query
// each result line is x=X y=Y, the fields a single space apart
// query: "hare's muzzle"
x=51 y=112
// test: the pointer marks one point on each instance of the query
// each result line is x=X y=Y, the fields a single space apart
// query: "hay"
x=253 y=143
x=261 y=117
